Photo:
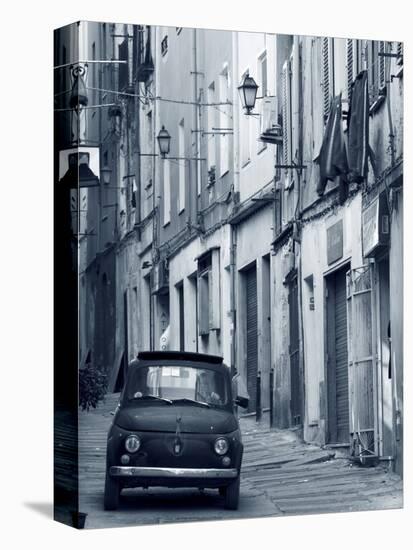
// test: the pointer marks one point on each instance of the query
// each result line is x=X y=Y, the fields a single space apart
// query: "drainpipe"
x=391 y=130
x=236 y=186
x=297 y=216
x=138 y=173
x=155 y=209
x=196 y=128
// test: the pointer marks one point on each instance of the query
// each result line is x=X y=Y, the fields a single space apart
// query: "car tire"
x=112 y=491
x=232 y=495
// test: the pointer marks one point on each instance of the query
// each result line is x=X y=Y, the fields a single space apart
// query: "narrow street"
x=281 y=475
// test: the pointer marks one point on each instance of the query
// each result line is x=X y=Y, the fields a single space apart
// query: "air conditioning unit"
x=271 y=131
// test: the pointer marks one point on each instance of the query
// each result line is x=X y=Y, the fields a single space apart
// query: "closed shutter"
x=180 y=291
x=296 y=413
x=382 y=65
x=286 y=113
x=295 y=85
x=123 y=67
x=361 y=362
x=286 y=118
x=341 y=356
x=328 y=84
x=215 y=291
x=350 y=66
x=373 y=68
x=400 y=53
x=252 y=336
x=203 y=303
x=337 y=359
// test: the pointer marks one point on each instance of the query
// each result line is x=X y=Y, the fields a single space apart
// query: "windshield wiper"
x=187 y=400
x=149 y=396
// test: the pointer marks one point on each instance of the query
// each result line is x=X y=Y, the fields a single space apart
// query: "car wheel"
x=232 y=495
x=112 y=491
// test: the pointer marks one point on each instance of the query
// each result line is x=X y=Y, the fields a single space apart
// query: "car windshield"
x=178 y=383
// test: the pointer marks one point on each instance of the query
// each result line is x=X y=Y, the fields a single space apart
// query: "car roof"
x=171 y=358
x=179 y=356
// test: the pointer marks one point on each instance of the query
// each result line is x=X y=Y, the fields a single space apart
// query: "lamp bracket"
x=166 y=157
x=290 y=166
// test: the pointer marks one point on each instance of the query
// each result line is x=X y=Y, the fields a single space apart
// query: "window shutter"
x=166 y=192
x=295 y=86
x=327 y=83
x=123 y=55
x=350 y=66
x=203 y=304
x=382 y=65
x=215 y=292
x=286 y=113
x=400 y=53
x=372 y=68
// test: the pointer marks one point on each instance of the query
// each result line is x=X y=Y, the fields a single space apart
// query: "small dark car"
x=175 y=426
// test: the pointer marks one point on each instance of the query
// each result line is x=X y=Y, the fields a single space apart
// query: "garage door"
x=337 y=358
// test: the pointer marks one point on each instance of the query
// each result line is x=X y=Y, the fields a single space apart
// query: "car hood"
x=163 y=418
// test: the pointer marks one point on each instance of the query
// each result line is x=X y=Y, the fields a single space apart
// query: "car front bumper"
x=173 y=473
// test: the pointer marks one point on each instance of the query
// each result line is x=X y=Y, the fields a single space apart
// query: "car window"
x=178 y=382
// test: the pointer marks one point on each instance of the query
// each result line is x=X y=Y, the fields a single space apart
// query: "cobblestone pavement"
x=280 y=475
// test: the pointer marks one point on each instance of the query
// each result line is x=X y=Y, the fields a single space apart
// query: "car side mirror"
x=241 y=401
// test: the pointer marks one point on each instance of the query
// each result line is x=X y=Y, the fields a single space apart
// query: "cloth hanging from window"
x=332 y=158
x=358 y=129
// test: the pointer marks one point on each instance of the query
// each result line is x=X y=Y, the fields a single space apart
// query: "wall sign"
x=335 y=242
x=376 y=226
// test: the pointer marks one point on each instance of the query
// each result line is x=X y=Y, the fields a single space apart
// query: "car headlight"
x=132 y=443
x=221 y=446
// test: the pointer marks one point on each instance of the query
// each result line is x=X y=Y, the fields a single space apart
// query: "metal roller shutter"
x=294 y=354
x=342 y=401
x=252 y=335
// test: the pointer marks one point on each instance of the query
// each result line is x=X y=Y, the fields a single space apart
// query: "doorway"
x=294 y=352
x=337 y=358
x=251 y=310
x=385 y=373
x=180 y=290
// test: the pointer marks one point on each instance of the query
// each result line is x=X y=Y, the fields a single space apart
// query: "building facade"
x=241 y=241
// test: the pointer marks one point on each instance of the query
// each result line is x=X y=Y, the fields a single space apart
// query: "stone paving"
x=280 y=475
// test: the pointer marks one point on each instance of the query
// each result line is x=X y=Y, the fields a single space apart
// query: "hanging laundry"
x=358 y=129
x=332 y=158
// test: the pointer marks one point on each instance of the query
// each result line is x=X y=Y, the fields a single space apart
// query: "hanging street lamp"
x=78 y=95
x=248 y=93
x=105 y=174
x=164 y=141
